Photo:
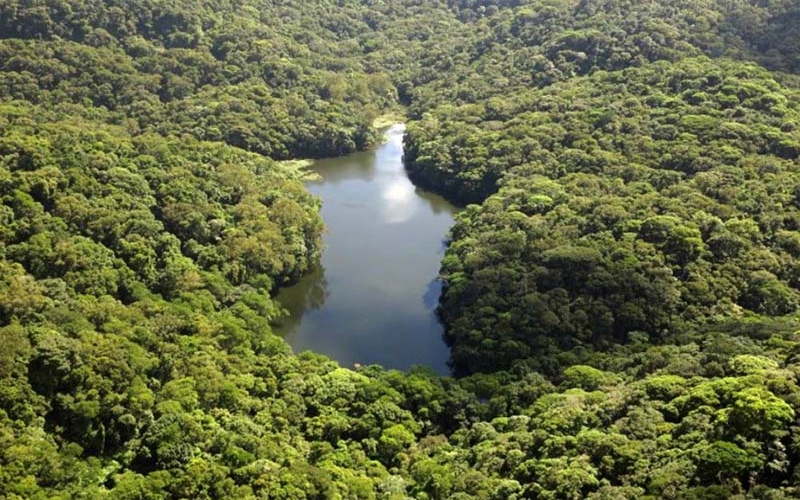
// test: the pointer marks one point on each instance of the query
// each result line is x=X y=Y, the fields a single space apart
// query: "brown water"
x=372 y=301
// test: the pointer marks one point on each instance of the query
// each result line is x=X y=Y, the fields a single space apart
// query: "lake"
x=373 y=297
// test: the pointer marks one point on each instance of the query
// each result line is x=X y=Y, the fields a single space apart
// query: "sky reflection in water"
x=374 y=297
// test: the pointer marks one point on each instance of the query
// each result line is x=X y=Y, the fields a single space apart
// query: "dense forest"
x=621 y=290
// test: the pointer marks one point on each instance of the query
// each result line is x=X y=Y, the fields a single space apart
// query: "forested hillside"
x=648 y=200
x=620 y=294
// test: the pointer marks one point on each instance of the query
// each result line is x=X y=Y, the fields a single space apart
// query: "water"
x=372 y=301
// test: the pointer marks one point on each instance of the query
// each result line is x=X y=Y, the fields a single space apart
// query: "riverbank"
x=386 y=120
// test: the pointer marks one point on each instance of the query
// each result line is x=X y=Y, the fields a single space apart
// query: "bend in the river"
x=373 y=298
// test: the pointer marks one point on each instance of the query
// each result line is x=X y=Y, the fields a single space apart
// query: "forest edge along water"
x=372 y=298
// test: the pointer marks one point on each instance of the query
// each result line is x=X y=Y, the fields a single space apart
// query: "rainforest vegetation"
x=620 y=292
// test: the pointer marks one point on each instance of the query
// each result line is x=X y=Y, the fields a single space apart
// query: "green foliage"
x=721 y=460
x=642 y=231
x=587 y=378
x=622 y=296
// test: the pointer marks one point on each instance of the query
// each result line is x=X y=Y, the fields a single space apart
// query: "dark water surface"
x=373 y=299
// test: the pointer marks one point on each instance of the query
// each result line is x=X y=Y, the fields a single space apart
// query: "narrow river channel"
x=373 y=298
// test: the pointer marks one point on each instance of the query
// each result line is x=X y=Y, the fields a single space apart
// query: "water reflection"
x=399 y=197
x=308 y=294
x=432 y=293
x=436 y=203
x=373 y=298
x=333 y=170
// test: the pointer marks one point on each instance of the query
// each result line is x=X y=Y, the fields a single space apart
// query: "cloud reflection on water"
x=400 y=201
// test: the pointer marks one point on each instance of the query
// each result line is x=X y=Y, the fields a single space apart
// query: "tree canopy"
x=620 y=291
